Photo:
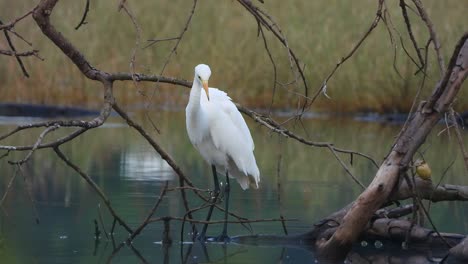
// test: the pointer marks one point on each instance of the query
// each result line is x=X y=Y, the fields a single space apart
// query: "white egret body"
x=219 y=132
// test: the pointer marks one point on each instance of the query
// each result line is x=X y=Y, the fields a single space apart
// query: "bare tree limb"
x=432 y=33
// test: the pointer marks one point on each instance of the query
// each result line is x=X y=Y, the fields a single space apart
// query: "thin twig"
x=137 y=41
x=12 y=47
x=155 y=41
x=410 y=32
x=242 y=221
x=459 y=137
x=29 y=191
x=11 y=24
x=433 y=34
x=278 y=184
x=263 y=19
x=273 y=64
x=374 y=24
x=277 y=128
x=101 y=221
x=166 y=62
x=38 y=142
x=346 y=167
x=140 y=228
x=7 y=190
x=83 y=18
x=19 y=54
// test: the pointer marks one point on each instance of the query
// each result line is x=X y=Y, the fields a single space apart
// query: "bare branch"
x=241 y=221
x=374 y=24
x=277 y=128
x=19 y=54
x=10 y=183
x=147 y=220
x=11 y=24
x=84 y=125
x=346 y=167
x=137 y=39
x=432 y=33
x=267 y=21
x=38 y=142
x=459 y=138
x=410 y=33
x=12 y=47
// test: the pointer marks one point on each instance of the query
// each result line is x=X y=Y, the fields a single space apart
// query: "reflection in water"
x=143 y=166
x=129 y=171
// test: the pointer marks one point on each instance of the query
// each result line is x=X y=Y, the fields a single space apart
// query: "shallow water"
x=298 y=182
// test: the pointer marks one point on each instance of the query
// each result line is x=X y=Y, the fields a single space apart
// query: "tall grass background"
x=224 y=35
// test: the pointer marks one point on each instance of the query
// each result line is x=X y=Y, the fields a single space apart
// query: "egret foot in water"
x=223 y=238
x=213 y=200
x=226 y=192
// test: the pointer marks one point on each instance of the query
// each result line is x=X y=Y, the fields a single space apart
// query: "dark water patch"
x=35 y=110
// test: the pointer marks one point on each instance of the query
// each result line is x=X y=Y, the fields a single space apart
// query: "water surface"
x=297 y=181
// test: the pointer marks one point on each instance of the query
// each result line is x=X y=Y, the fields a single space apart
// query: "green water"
x=312 y=185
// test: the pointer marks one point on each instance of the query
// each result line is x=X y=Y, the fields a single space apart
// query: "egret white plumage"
x=219 y=132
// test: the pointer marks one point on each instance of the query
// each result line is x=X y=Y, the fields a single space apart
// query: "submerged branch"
x=93 y=185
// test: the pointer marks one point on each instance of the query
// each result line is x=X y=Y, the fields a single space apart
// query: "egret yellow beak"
x=205 y=86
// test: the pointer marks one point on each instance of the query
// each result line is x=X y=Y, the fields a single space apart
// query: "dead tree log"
x=396 y=163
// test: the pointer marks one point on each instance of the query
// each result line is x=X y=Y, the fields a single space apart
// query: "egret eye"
x=199 y=78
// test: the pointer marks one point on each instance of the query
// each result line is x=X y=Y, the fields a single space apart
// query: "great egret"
x=219 y=132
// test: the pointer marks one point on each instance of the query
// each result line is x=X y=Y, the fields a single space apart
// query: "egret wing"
x=230 y=135
x=224 y=103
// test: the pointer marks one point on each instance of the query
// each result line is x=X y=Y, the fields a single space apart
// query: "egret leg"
x=224 y=237
x=210 y=211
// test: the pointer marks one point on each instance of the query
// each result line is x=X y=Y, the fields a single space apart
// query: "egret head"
x=202 y=75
